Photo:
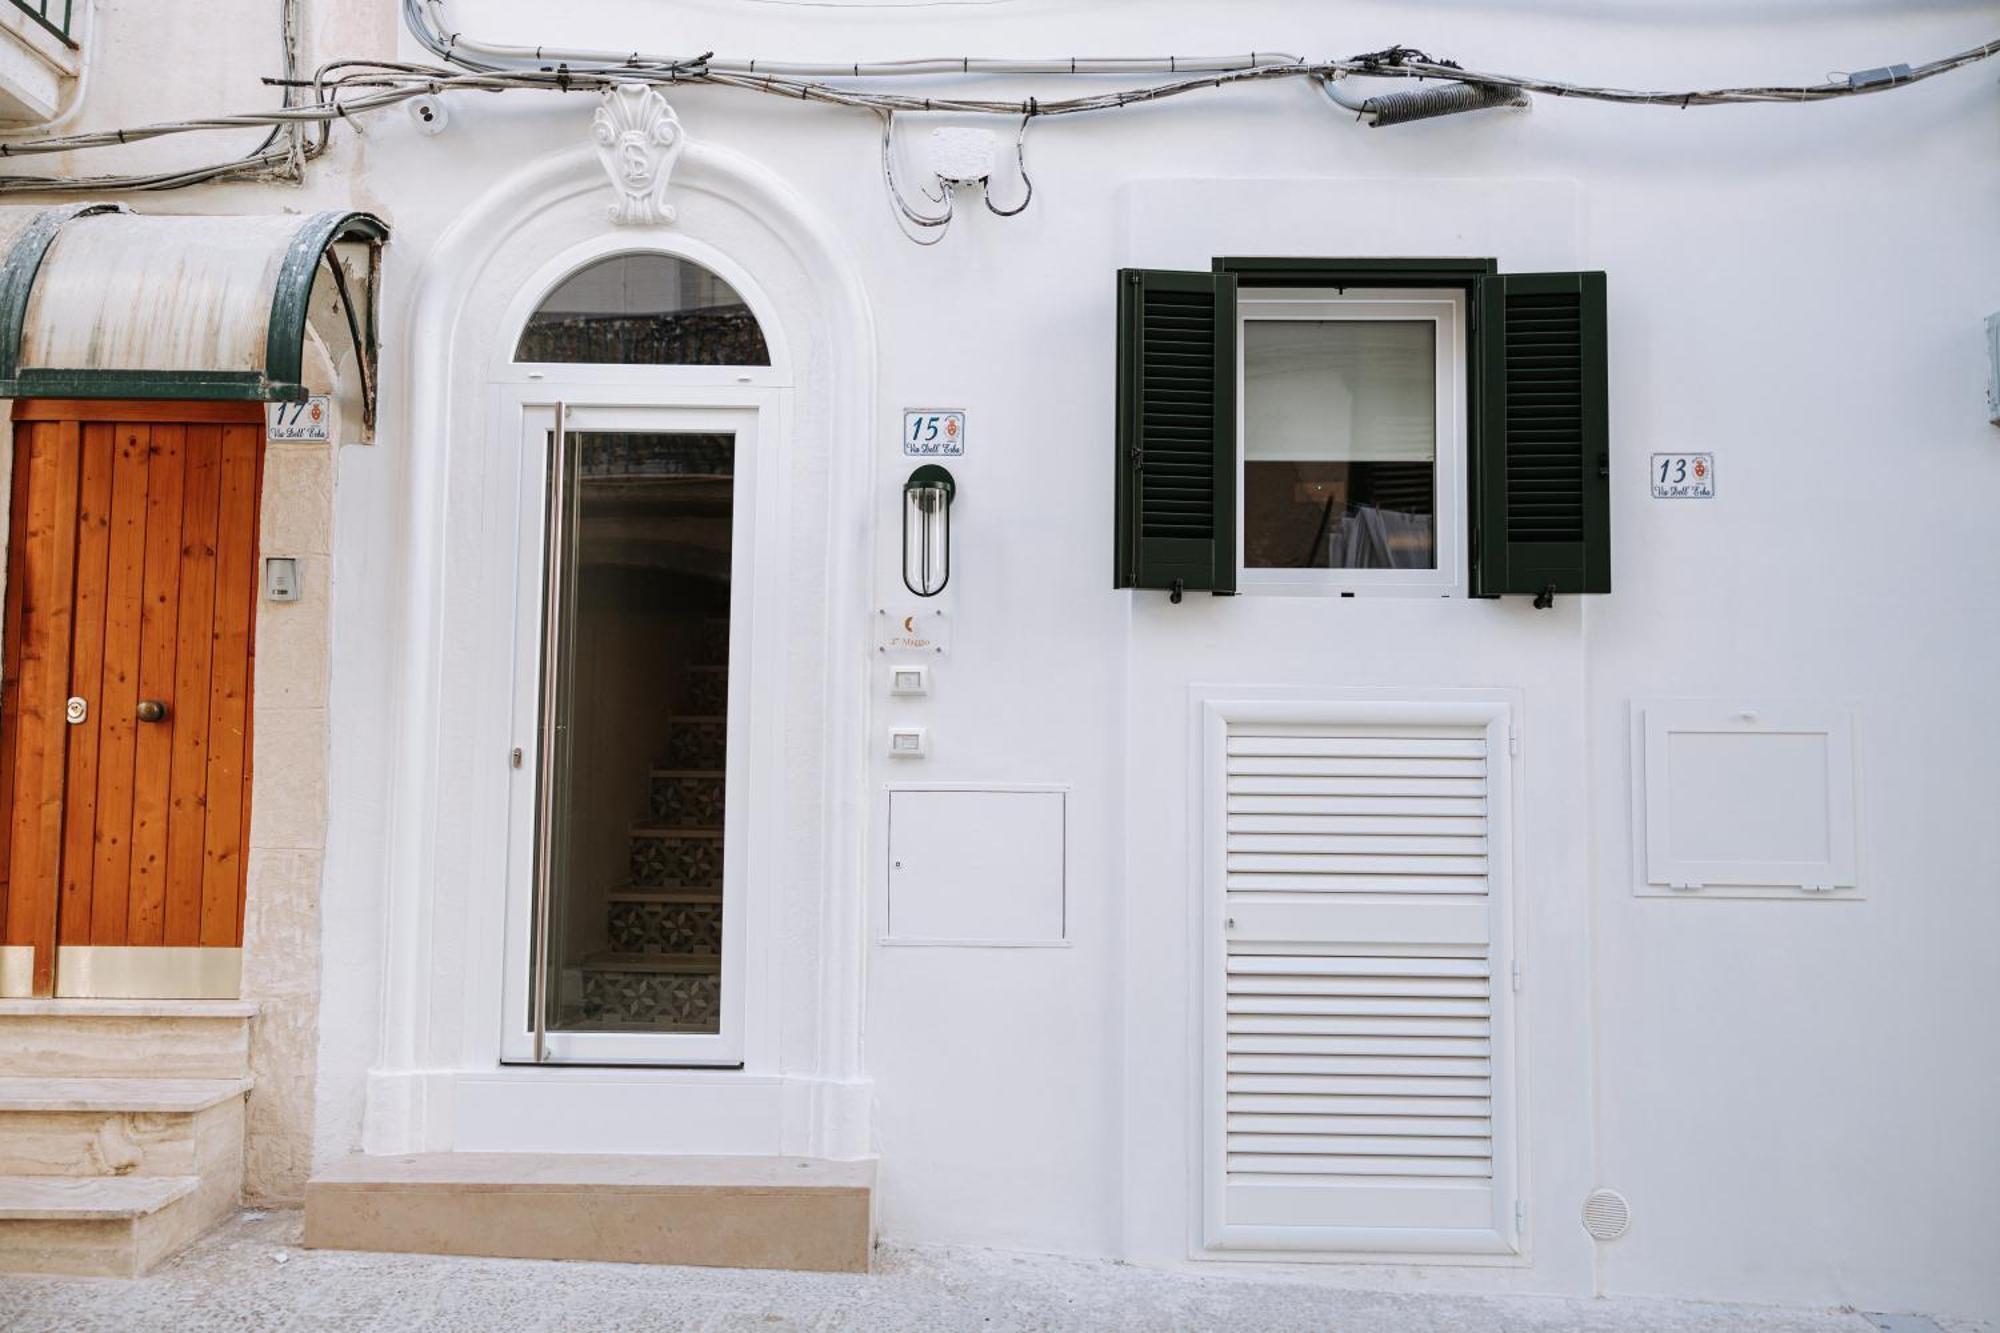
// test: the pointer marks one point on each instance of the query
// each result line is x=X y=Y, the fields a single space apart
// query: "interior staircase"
x=663 y=969
x=121 y=1130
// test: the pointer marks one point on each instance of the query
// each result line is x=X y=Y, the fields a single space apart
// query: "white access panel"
x=1745 y=798
x=976 y=866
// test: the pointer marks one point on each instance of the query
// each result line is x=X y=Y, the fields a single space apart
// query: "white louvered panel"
x=1357 y=1038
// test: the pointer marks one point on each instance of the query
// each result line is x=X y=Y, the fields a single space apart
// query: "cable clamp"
x=1884 y=77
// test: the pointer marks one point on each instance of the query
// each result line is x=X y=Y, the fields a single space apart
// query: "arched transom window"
x=644 y=310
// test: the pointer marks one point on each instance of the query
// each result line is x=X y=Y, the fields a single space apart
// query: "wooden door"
x=125 y=711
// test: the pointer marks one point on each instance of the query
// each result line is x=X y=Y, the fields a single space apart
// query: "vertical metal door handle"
x=545 y=814
x=151 y=710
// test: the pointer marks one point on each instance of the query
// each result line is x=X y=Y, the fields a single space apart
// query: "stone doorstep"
x=98 y=1226
x=804 y=1214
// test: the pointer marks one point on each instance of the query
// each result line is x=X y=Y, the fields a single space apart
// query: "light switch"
x=909 y=680
x=281 y=578
x=909 y=742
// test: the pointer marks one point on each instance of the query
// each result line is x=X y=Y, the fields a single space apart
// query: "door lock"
x=76 y=710
x=151 y=710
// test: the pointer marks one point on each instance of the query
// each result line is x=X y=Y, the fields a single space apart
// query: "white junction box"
x=977 y=866
x=1740 y=798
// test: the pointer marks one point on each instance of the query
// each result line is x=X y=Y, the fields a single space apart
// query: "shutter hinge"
x=1520 y=1215
x=517 y=756
x=1679 y=887
x=1817 y=888
x=1517 y=974
x=1175 y=595
x=1513 y=742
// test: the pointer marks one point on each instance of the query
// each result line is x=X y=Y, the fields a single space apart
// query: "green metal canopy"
x=99 y=302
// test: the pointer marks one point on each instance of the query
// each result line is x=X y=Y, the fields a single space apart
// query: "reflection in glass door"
x=629 y=904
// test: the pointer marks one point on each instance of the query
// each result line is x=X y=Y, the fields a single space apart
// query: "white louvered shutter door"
x=1362 y=1045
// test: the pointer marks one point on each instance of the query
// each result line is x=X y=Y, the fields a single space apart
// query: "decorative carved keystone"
x=638 y=139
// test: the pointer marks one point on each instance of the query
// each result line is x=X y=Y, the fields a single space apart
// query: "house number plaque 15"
x=933 y=432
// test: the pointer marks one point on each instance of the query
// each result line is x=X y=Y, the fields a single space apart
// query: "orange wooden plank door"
x=132 y=587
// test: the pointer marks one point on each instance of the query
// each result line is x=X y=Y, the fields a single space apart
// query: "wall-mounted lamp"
x=927 y=499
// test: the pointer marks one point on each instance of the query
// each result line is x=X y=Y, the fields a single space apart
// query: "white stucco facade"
x=1796 y=1093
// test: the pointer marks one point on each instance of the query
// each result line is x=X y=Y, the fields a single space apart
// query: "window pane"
x=644 y=310
x=1339 y=444
x=641 y=733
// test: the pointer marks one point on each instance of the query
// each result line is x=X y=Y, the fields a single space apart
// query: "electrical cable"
x=345 y=89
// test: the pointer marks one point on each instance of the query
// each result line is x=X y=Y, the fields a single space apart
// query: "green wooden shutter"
x=1541 y=460
x=1176 y=431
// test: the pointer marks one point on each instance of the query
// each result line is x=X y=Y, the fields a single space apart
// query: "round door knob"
x=151 y=710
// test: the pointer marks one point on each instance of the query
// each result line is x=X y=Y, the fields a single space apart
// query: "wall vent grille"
x=1606 y=1214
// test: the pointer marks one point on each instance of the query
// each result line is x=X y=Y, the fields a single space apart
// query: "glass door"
x=633 y=917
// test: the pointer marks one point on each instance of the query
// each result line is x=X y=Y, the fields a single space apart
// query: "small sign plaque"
x=1683 y=476
x=933 y=432
x=311 y=420
x=925 y=630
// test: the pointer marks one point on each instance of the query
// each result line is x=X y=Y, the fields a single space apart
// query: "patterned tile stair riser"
x=712 y=647
x=669 y=928
x=697 y=742
x=677 y=859
x=686 y=799
x=708 y=690
x=685 y=1000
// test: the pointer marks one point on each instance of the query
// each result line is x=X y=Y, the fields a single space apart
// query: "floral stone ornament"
x=638 y=139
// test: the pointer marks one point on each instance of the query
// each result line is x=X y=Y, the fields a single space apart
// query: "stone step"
x=613 y=961
x=697 y=740
x=123 y=1127
x=687 y=797
x=657 y=991
x=665 y=923
x=639 y=893
x=109 y=1038
x=797 y=1213
x=117 y=1226
x=182 y=1096
x=676 y=858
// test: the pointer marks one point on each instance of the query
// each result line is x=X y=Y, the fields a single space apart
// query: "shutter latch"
x=1175 y=595
x=1546 y=598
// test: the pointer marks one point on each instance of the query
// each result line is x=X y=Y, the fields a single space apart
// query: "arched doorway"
x=641 y=418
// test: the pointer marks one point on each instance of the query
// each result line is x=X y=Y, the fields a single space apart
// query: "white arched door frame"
x=438 y=1081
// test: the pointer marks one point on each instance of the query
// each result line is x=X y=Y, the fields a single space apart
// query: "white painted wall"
x=1798 y=1097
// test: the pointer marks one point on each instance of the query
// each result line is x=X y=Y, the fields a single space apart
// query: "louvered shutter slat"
x=1176 y=431
x=1541 y=452
x=1357 y=1039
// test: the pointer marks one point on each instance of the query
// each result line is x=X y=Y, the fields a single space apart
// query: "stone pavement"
x=250 y=1275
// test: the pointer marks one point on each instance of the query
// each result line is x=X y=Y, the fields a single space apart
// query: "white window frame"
x=1445 y=309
